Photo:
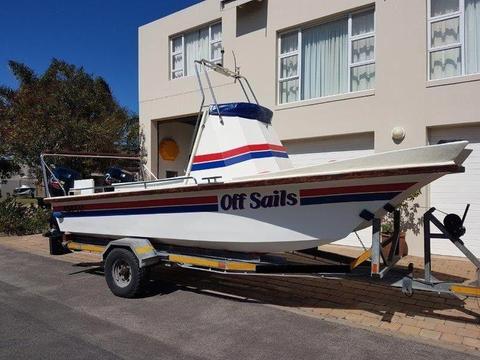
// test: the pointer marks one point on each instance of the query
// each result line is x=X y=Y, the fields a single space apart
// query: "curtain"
x=442 y=7
x=363 y=23
x=288 y=91
x=216 y=46
x=472 y=36
x=325 y=60
x=445 y=32
x=363 y=49
x=289 y=68
x=196 y=48
x=289 y=42
x=363 y=77
x=445 y=63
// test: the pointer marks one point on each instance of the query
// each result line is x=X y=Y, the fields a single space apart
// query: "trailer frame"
x=374 y=264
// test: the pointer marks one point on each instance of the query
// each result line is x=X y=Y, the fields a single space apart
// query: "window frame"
x=212 y=42
x=281 y=56
x=461 y=44
x=182 y=51
x=352 y=38
x=173 y=54
x=298 y=52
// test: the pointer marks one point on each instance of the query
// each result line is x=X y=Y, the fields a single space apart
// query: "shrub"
x=409 y=219
x=20 y=219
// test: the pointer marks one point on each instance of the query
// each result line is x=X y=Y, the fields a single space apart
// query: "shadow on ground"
x=312 y=293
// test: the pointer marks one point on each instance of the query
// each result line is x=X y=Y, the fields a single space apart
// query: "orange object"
x=168 y=149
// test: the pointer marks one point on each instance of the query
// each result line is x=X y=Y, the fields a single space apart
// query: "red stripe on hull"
x=237 y=151
x=356 y=189
x=200 y=200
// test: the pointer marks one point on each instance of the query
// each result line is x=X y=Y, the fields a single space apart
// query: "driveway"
x=52 y=309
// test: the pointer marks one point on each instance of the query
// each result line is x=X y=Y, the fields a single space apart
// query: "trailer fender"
x=141 y=248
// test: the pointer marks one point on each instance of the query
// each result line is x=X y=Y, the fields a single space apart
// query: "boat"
x=240 y=191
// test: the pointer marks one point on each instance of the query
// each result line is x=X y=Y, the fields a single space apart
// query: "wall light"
x=398 y=134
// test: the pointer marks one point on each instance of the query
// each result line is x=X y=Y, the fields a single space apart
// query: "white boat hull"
x=264 y=218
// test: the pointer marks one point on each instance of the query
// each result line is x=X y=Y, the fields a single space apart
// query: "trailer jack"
x=452 y=229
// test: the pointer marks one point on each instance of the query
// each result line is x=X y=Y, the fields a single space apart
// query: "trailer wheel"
x=124 y=276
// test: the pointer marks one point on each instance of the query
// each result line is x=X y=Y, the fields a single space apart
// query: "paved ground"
x=440 y=319
x=53 y=309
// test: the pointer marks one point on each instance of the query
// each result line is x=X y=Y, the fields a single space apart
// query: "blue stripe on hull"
x=347 y=198
x=214 y=207
x=238 y=159
x=140 y=211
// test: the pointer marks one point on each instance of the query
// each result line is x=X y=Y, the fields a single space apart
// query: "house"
x=344 y=78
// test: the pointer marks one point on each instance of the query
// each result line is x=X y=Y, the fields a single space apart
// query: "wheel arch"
x=140 y=247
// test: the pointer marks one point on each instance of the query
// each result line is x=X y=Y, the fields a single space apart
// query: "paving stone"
x=451 y=338
x=472 y=326
x=409 y=321
x=475 y=343
x=321 y=311
x=409 y=330
x=428 y=325
x=367 y=321
x=473 y=333
x=390 y=326
x=455 y=323
x=340 y=314
x=430 y=334
x=447 y=329
x=354 y=317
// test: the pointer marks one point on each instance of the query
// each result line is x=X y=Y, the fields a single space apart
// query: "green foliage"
x=8 y=168
x=63 y=109
x=409 y=219
x=20 y=219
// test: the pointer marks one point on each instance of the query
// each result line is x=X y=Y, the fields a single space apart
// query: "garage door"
x=322 y=150
x=452 y=192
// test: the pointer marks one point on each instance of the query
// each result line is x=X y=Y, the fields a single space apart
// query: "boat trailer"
x=127 y=260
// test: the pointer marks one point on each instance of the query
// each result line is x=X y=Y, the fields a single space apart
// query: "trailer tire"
x=124 y=276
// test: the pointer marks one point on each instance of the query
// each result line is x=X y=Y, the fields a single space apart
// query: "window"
x=171 y=174
x=289 y=77
x=328 y=59
x=453 y=38
x=203 y=43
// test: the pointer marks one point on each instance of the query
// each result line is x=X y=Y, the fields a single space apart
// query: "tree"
x=8 y=167
x=63 y=109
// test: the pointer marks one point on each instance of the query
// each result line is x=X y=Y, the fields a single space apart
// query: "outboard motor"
x=115 y=175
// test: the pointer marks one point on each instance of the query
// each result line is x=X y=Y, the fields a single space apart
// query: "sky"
x=100 y=35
